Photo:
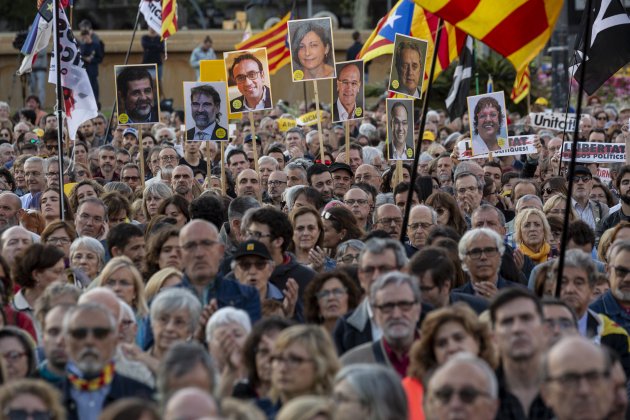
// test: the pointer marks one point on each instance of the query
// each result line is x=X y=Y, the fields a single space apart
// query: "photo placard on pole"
x=348 y=93
x=137 y=94
x=488 y=123
x=312 y=49
x=400 y=142
x=249 y=85
x=205 y=105
x=408 y=64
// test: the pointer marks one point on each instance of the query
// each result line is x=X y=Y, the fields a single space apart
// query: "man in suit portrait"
x=205 y=105
x=348 y=94
x=400 y=137
x=409 y=66
x=249 y=74
x=136 y=91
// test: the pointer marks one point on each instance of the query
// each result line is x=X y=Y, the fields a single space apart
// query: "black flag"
x=609 y=44
x=460 y=89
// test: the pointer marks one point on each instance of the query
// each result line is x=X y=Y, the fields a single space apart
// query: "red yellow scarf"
x=94 y=384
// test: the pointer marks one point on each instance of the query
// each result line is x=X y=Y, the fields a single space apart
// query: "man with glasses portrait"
x=590 y=211
x=249 y=74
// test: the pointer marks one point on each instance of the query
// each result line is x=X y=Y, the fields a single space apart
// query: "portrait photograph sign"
x=408 y=63
x=249 y=85
x=312 y=49
x=488 y=123
x=348 y=96
x=400 y=141
x=137 y=94
x=206 y=114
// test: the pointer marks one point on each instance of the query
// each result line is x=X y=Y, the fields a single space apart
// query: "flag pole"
x=423 y=115
x=133 y=35
x=60 y=104
x=571 y=167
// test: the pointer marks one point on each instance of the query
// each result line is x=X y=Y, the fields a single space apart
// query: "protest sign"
x=552 y=121
x=516 y=145
x=407 y=68
x=308 y=119
x=604 y=175
x=249 y=86
x=595 y=152
x=284 y=124
x=488 y=122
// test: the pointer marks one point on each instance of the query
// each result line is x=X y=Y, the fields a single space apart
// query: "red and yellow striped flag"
x=169 y=18
x=276 y=42
x=518 y=30
x=409 y=19
x=522 y=84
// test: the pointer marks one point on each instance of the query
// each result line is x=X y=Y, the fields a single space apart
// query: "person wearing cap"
x=248 y=147
x=248 y=73
x=342 y=178
x=400 y=136
x=428 y=138
x=590 y=211
x=348 y=89
x=130 y=138
x=488 y=121
x=253 y=265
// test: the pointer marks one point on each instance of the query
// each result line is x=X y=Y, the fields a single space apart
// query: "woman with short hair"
x=42 y=401
x=88 y=255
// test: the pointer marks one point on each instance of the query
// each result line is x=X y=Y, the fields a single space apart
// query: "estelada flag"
x=518 y=30
x=407 y=18
x=275 y=40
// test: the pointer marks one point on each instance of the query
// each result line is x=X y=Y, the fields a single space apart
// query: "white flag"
x=152 y=12
x=78 y=97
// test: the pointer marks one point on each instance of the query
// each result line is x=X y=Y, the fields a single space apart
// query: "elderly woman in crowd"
x=339 y=225
x=36 y=397
x=329 y=296
x=152 y=198
x=308 y=239
x=163 y=251
x=175 y=315
x=88 y=255
x=18 y=353
x=304 y=362
x=369 y=392
x=226 y=332
x=532 y=235
x=34 y=269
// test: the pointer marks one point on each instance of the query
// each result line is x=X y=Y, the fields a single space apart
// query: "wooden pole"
x=208 y=163
x=223 y=179
x=254 y=142
x=141 y=155
x=319 y=123
x=348 y=142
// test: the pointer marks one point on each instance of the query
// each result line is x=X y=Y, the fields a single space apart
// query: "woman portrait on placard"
x=312 y=50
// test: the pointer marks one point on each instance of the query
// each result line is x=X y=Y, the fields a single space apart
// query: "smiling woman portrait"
x=312 y=50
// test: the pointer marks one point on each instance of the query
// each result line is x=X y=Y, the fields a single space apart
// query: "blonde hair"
x=554 y=200
x=317 y=342
x=46 y=393
x=522 y=217
x=157 y=280
x=117 y=263
x=307 y=408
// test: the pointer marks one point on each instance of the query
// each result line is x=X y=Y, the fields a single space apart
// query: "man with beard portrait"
x=488 y=119
x=136 y=92
x=205 y=105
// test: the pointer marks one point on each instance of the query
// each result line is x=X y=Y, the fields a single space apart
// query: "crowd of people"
x=144 y=283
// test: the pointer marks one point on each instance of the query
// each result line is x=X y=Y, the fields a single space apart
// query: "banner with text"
x=594 y=152
x=517 y=145
x=555 y=122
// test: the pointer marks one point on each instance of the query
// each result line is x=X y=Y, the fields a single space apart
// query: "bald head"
x=14 y=240
x=10 y=209
x=191 y=403
x=248 y=183
x=104 y=297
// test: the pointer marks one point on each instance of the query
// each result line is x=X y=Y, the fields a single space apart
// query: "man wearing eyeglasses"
x=201 y=254
x=590 y=211
x=468 y=192
x=464 y=387
x=388 y=218
x=614 y=301
x=577 y=381
x=421 y=220
x=35 y=181
x=248 y=73
x=205 y=104
x=395 y=300
x=168 y=161
x=480 y=251
x=276 y=185
x=349 y=104
x=91 y=218
x=92 y=381
x=130 y=175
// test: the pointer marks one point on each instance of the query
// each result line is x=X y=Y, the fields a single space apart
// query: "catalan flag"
x=407 y=18
x=518 y=30
x=275 y=40
x=522 y=83
x=169 y=18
